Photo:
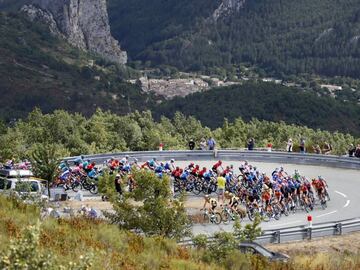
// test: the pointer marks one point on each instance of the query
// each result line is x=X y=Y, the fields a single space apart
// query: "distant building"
x=331 y=87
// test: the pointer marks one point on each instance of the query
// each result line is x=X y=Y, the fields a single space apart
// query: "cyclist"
x=159 y=168
x=201 y=173
x=304 y=192
x=212 y=202
x=195 y=171
x=319 y=187
x=216 y=167
x=125 y=160
x=169 y=166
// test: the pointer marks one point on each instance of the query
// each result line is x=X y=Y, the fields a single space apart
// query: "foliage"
x=25 y=254
x=66 y=240
x=281 y=38
x=72 y=134
x=223 y=245
x=150 y=209
x=269 y=102
x=45 y=161
x=38 y=69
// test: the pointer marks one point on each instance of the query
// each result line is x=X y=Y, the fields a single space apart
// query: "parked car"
x=256 y=249
x=22 y=183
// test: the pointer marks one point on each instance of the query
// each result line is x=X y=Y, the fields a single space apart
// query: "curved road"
x=344 y=190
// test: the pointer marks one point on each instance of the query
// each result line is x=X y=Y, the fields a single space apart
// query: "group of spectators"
x=204 y=144
x=354 y=151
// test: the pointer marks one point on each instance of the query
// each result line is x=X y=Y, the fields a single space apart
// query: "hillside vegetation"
x=269 y=102
x=37 y=69
x=104 y=132
x=280 y=37
x=84 y=244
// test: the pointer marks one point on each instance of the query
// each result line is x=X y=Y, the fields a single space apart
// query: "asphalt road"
x=344 y=190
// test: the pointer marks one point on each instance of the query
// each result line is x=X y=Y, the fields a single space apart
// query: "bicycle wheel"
x=217 y=218
x=94 y=189
x=323 y=204
x=75 y=186
x=266 y=216
x=327 y=195
x=225 y=217
x=206 y=218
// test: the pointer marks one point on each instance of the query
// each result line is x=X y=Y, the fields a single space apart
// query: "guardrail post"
x=277 y=236
x=338 y=228
x=309 y=233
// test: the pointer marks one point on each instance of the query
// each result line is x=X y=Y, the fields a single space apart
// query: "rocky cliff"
x=228 y=6
x=84 y=23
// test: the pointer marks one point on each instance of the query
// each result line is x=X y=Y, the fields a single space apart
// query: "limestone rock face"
x=83 y=23
x=227 y=7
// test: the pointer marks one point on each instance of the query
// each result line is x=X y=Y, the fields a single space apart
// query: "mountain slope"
x=269 y=102
x=281 y=37
x=37 y=69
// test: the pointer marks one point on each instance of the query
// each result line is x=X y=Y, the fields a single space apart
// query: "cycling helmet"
x=172 y=160
x=127 y=156
x=135 y=160
x=220 y=162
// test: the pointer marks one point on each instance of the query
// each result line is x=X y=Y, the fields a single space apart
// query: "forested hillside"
x=269 y=102
x=37 y=69
x=280 y=37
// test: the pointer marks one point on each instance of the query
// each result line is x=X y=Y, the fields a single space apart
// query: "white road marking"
x=342 y=194
x=347 y=203
x=326 y=214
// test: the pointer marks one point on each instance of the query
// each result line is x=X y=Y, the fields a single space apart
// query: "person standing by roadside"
x=211 y=143
x=357 y=151
x=203 y=144
x=317 y=149
x=191 y=144
x=327 y=148
x=302 y=146
x=289 y=145
x=118 y=184
x=352 y=150
x=251 y=144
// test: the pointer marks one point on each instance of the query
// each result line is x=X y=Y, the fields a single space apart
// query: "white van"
x=21 y=182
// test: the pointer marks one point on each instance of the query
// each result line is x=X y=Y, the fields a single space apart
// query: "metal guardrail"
x=269 y=236
x=300 y=232
x=274 y=156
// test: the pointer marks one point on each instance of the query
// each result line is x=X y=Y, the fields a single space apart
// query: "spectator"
x=191 y=144
x=221 y=182
x=251 y=144
x=317 y=149
x=269 y=146
x=203 y=144
x=211 y=143
x=302 y=146
x=289 y=145
x=118 y=184
x=352 y=150
x=357 y=151
x=327 y=148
